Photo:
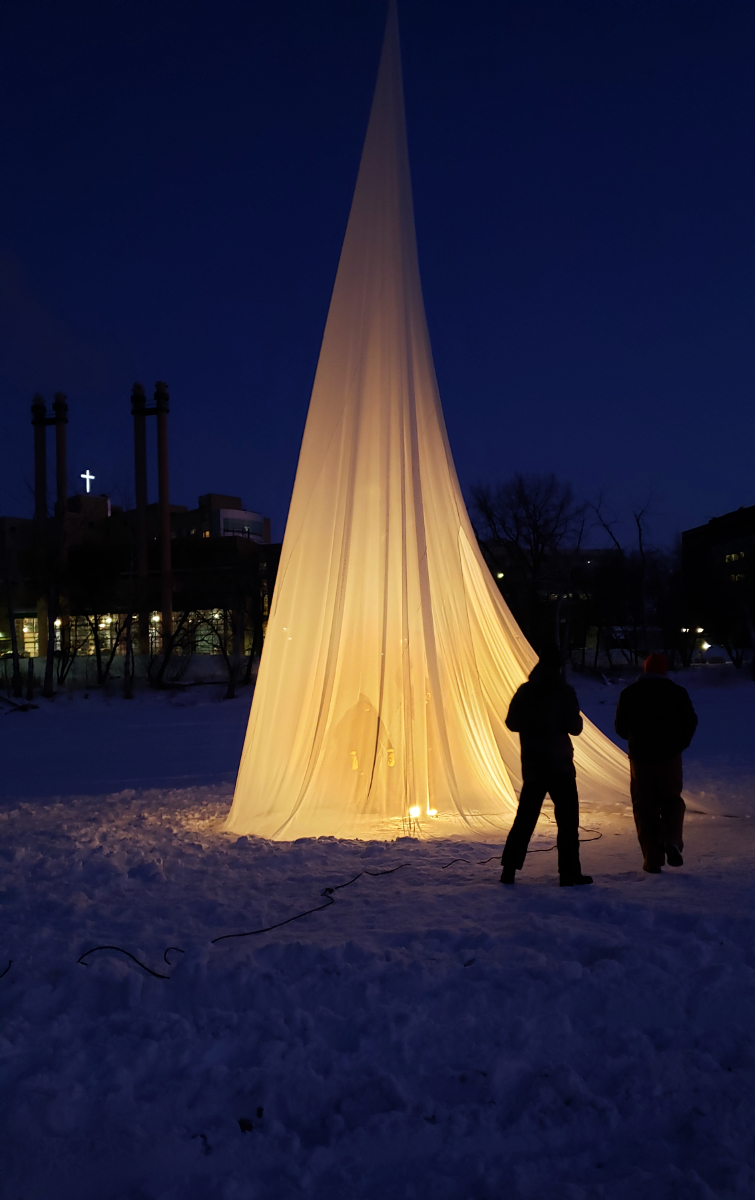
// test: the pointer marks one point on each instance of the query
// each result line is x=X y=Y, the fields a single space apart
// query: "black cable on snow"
x=585 y=829
x=128 y=953
x=329 y=900
x=251 y=932
x=327 y=893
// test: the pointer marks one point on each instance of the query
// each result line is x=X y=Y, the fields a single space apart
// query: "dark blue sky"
x=176 y=182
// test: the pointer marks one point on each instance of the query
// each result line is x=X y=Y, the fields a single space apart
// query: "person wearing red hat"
x=657 y=719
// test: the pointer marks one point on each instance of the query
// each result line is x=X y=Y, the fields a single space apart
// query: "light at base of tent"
x=414 y=810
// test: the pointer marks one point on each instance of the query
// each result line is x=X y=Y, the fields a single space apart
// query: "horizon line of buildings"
x=157 y=559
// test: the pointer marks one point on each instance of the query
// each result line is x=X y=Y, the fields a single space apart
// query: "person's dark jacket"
x=544 y=712
x=656 y=717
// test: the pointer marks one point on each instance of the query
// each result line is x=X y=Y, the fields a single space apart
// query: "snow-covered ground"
x=429 y=1034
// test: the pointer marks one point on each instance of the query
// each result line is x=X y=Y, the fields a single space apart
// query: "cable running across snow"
x=327 y=892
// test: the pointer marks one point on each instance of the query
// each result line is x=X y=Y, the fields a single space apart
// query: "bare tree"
x=639 y=520
x=538 y=524
x=633 y=565
x=181 y=639
x=69 y=651
x=226 y=628
x=116 y=630
x=605 y=521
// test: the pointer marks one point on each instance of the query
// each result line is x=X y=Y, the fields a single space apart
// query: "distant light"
x=155 y=619
x=87 y=477
x=58 y=622
x=499 y=575
x=699 y=629
x=414 y=810
x=705 y=646
x=108 y=620
x=685 y=630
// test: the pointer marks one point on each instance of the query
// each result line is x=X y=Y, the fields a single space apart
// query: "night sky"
x=176 y=183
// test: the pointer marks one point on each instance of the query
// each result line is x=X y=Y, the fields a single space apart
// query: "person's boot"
x=652 y=868
x=574 y=880
x=508 y=875
x=674 y=855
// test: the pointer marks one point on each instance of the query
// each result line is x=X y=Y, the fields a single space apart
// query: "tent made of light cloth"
x=390 y=655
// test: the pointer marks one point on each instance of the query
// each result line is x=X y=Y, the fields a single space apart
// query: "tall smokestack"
x=138 y=405
x=166 y=583
x=60 y=408
x=39 y=421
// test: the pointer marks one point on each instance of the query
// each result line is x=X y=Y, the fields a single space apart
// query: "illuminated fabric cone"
x=390 y=656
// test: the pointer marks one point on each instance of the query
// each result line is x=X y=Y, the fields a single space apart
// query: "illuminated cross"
x=88 y=478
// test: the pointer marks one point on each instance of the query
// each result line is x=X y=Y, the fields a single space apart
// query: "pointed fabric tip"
x=390 y=656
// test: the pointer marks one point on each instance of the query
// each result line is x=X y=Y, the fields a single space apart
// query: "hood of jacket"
x=544 y=675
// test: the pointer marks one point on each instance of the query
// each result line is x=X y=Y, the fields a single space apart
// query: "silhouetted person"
x=656 y=716
x=544 y=712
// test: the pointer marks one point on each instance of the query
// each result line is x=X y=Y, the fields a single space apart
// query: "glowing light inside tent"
x=406 y=654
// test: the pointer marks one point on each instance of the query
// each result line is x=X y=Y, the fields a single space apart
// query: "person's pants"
x=658 y=807
x=562 y=787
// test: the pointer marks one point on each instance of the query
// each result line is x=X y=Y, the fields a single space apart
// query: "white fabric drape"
x=390 y=656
